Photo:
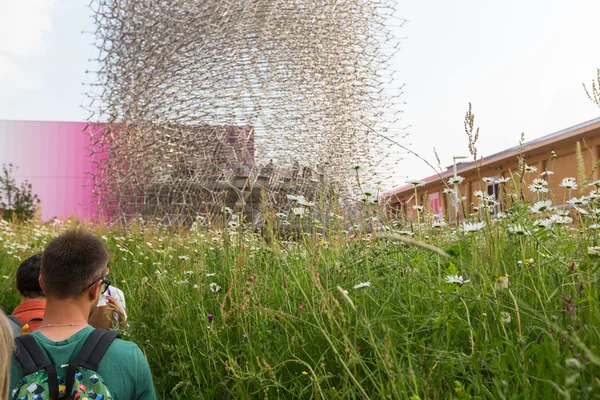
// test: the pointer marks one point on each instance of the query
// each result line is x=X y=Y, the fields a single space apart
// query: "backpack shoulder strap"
x=90 y=354
x=15 y=320
x=94 y=348
x=16 y=328
x=29 y=354
x=31 y=357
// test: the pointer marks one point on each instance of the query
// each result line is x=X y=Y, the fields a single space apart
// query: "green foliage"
x=16 y=201
x=338 y=314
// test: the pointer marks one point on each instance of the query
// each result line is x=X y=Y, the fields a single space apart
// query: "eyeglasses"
x=104 y=286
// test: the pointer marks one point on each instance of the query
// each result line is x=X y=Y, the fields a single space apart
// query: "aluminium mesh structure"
x=200 y=104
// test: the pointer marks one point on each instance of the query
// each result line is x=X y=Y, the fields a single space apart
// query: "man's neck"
x=63 y=318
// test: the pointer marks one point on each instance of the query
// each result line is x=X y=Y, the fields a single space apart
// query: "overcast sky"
x=520 y=62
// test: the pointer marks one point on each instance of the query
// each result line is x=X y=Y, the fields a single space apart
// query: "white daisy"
x=479 y=194
x=417 y=208
x=546 y=173
x=457 y=279
x=299 y=211
x=543 y=223
x=416 y=182
x=362 y=285
x=487 y=179
x=503 y=179
x=518 y=229
x=538 y=188
x=530 y=169
x=541 y=206
x=472 y=226
x=575 y=202
x=455 y=180
x=568 y=183
x=438 y=224
x=214 y=287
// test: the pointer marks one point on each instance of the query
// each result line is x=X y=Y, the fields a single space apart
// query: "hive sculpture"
x=196 y=105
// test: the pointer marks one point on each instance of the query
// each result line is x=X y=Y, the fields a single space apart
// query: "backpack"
x=77 y=380
x=17 y=326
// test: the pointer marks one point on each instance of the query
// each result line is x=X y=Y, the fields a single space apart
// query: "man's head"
x=74 y=264
x=28 y=278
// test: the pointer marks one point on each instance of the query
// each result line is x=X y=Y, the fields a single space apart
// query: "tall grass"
x=500 y=313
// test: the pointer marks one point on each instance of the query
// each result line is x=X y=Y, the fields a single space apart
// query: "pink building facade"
x=52 y=156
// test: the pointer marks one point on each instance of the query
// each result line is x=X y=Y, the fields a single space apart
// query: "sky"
x=521 y=63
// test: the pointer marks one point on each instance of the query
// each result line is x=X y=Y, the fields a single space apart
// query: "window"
x=493 y=190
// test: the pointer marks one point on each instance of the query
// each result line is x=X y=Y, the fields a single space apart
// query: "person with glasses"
x=73 y=273
x=111 y=311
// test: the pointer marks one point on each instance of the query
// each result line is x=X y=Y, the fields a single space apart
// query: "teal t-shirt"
x=123 y=367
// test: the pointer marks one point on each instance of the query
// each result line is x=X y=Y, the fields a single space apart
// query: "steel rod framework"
x=201 y=103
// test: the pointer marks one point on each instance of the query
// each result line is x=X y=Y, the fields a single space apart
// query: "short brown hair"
x=71 y=262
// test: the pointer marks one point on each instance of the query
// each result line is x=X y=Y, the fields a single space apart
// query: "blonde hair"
x=6 y=349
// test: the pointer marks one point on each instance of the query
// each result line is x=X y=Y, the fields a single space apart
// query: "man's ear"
x=94 y=291
x=41 y=282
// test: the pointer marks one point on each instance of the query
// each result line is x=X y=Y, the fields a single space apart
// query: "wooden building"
x=556 y=152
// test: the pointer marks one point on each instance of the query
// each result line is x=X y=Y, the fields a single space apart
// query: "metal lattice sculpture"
x=199 y=104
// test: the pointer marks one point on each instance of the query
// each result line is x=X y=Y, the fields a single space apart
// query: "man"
x=73 y=276
x=30 y=310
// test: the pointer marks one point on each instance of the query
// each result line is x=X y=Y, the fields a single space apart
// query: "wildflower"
x=304 y=373
x=487 y=179
x=573 y=363
x=502 y=215
x=184 y=257
x=210 y=317
x=594 y=226
x=530 y=168
x=299 y=211
x=575 y=202
x=538 y=188
x=362 y=285
x=541 y=206
x=295 y=198
x=211 y=274
x=448 y=191
x=457 y=279
x=418 y=208
x=501 y=283
x=505 y=317
x=595 y=183
x=306 y=203
x=539 y=182
x=455 y=180
x=543 y=223
x=415 y=182
x=518 y=229
x=561 y=219
x=582 y=211
x=214 y=287
x=504 y=179
x=472 y=227
x=546 y=173
x=594 y=250
x=526 y=261
x=439 y=224
x=568 y=183
x=479 y=194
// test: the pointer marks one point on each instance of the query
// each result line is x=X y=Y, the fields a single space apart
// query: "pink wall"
x=52 y=156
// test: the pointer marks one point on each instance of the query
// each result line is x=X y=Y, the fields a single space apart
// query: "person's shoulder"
x=121 y=348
